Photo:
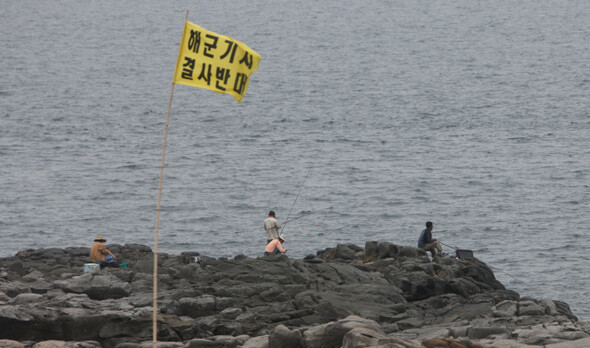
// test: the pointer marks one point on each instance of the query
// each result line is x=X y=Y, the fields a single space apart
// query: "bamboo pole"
x=155 y=295
x=155 y=305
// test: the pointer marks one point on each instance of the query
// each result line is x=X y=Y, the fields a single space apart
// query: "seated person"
x=101 y=255
x=426 y=243
x=275 y=246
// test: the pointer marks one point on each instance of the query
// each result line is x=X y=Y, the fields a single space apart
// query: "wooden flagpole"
x=155 y=303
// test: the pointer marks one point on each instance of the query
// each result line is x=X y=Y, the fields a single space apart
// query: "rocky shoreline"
x=379 y=295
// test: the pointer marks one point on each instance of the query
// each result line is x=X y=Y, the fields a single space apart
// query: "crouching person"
x=275 y=246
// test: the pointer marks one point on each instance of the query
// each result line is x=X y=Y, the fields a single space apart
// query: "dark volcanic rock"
x=98 y=286
x=383 y=294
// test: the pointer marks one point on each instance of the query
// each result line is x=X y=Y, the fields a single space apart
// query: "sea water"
x=376 y=116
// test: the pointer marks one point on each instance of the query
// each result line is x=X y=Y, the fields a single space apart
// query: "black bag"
x=464 y=254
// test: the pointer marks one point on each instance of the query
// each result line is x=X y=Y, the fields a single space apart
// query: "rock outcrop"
x=382 y=295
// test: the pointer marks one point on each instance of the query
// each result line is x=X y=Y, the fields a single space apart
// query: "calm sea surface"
x=472 y=114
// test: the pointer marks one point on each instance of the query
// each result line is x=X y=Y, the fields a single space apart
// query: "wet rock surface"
x=379 y=295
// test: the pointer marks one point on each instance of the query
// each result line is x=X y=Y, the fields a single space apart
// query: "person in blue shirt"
x=426 y=243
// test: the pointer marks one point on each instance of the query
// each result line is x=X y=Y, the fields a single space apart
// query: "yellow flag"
x=213 y=61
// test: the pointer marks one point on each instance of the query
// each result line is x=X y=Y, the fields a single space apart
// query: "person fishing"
x=275 y=246
x=101 y=255
x=272 y=226
x=426 y=243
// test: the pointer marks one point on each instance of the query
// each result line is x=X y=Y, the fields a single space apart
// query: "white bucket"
x=89 y=267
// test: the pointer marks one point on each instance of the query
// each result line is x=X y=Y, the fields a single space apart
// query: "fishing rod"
x=450 y=246
x=298 y=193
x=304 y=215
x=292 y=205
x=496 y=268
